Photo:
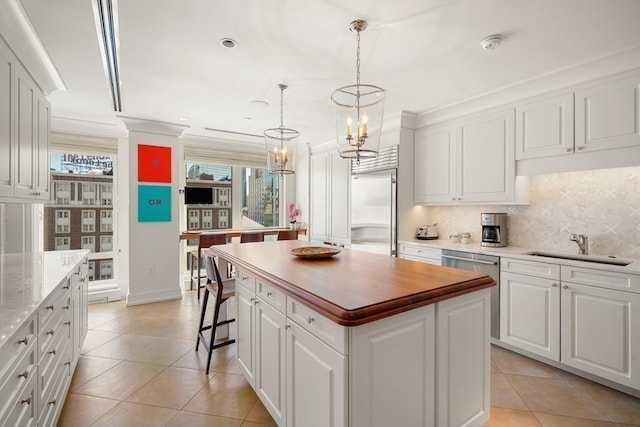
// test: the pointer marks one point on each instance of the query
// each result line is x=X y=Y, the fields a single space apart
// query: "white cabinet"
x=329 y=180
x=469 y=160
x=245 y=323
x=420 y=253
x=608 y=115
x=24 y=139
x=584 y=318
x=544 y=127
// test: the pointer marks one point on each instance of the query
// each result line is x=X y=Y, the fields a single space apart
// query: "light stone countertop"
x=26 y=280
x=522 y=253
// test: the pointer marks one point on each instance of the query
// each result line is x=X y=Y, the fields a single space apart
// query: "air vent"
x=387 y=159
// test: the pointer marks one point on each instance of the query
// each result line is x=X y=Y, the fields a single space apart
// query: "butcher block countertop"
x=352 y=287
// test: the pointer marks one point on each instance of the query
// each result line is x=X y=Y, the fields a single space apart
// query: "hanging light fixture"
x=358 y=111
x=281 y=144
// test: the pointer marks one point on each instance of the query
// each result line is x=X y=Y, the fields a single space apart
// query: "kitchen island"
x=361 y=339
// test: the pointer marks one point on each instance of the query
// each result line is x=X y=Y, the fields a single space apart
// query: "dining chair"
x=221 y=290
x=287 y=235
x=253 y=236
x=197 y=273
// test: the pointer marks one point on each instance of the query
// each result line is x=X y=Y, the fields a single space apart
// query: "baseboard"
x=154 y=296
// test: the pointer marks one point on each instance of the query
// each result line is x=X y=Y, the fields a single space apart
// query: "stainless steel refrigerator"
x=373 y=207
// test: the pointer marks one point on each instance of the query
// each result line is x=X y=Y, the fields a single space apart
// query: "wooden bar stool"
x=287 y=234
x=197 y=273
x=221 y=290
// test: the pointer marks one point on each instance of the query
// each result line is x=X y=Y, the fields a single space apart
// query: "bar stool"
x=221 y=290
x=287 y=234
x=253 y=236
x=196 y=272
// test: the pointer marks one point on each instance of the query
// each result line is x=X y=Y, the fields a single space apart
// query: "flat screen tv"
x=198 y=196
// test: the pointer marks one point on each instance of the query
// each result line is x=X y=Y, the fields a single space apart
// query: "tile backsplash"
x=603 y=204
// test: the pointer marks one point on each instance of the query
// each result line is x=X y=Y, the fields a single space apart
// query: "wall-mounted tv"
x=198 y=196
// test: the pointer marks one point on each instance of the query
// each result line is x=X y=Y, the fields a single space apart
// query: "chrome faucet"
x=582 y=241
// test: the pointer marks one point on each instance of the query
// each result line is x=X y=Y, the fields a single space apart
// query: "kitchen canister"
x=465 y=237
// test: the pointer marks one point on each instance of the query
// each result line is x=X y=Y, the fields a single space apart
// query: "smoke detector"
x=491 y=42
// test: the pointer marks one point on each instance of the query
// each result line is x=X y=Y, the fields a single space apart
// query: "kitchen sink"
x=611 y=260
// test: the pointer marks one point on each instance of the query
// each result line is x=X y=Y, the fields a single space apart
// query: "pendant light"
x=281 y=144
x=358 y=111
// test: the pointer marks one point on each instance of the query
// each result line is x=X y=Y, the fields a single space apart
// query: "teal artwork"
x=154 y=203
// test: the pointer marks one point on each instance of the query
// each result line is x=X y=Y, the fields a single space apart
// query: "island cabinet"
x=38 y=358
x=359 y=339
x=583 y=318
x=24 y=133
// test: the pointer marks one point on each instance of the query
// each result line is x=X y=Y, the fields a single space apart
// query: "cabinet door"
x=600 y=330
x=318 y=217
x=434 y=166
x=270 y=360
x=608 y=115
x=25 y=134
x=41 y=148
x=530 y=314
x=245 y=351
x=545 y=127
x=6 y=123
x=487 y=158
x=340 y=181
x=316 y=382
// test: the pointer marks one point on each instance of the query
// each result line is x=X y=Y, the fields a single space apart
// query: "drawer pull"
x=24 y=374
x=66 y=307
x=24 y=341
x=252 y=300
x=68 y=322
x=245 y=278
x=50 y=332
x=52 y=352
x=565 y=287
x=52 y=402
x=66 y=287
x=554 y=285
x=310 y=319
x=27 y=401
x=50 y=307
x=67 y=363
x=269 y=293
x=287 y=326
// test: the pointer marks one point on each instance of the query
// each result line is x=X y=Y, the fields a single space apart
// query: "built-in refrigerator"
x=373 y=204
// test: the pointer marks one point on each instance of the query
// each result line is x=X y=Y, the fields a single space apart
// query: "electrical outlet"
x=151 y=271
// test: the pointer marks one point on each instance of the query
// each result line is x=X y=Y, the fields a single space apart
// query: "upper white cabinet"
x=544 y=127
x=469 y=160
x=608 y=115
x=329 y=180
x=24 y=134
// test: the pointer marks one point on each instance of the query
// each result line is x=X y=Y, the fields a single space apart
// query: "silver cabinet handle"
x=24 y=374
x=310 y=319
x=24 y=341
x=52 y=402
x=50 y=307
x=27 y=401
x=53 y=352
x=50 y=332
x=554 y=285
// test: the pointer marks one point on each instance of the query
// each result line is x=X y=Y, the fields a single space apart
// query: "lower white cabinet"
x=584 y=318
x=420 y=253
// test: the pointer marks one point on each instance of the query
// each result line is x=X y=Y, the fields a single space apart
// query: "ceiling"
x=426 y=53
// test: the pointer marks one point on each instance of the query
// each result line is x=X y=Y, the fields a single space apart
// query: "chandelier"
x=281 y=144
x=358 y=111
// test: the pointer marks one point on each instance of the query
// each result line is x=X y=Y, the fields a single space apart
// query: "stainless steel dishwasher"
x=484 y=264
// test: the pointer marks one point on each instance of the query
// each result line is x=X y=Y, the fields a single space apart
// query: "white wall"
x=603 y=204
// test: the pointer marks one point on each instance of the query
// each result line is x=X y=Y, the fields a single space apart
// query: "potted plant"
x=293 y=212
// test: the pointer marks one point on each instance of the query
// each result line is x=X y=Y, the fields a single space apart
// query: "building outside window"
x=62 y=243
x=88 y=242
x=106 y=269
x=223 y=218
x=106 y=194
x=88 y=221
x=194 y=219
x=63 y=224
x=62 y=193
x=92 y=270
x=207 y=219
x=106 y=220
x=106 y=243
x=88 y=194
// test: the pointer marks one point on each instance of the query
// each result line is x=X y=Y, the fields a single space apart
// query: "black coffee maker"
x=494 y=229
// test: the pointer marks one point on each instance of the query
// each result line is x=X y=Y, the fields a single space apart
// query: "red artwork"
x=154 y=163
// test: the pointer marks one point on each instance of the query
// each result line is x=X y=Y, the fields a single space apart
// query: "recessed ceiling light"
x=182 y=119
x=257 y=104
x=228 y=43
x=491 y=42
x=248 y=119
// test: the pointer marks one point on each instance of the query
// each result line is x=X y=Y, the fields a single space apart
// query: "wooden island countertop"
x=352 y=287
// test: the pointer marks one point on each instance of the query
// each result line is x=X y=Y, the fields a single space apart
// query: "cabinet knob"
x=24 y=374
x=568 y=150
x=50 y=332
x=68 y=322
x=66 y=307
x=50 y=307
x=52 y=402
x=65 y=287
x=554 y=285
x=27 y=401
x=252 y=299
x=24 y=341
x=269 y=293
x=67 y=363
x=53 y=352
x=579 y=147
x=287 y=326
x=309 y=319
x=565 y=287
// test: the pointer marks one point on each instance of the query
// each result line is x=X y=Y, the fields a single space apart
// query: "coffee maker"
x=494 y=229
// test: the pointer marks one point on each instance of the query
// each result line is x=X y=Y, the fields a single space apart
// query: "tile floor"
x=138 y=368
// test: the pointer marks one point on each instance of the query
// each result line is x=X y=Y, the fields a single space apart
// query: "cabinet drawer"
x=58 y=328
x=329 y=332
x=21 y=372
x=22 y=411
x=52 y=393
x=57 y=302
x=531 y=268
x=421 y=252
x=272 y=295
x=246 y=280
x=18 y=345
x=603 y=279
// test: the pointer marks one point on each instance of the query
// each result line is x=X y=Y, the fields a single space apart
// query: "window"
x=207 y=219
x=63 y=223
x=106 y=269
x=194 y=219
x=106 y=243
x=261 y=196
x=63 y=244
x=92 y=270
x=106 y=195
x=223 y=197
x=106 y=221
x=88 y=221
x=223 y=218
x=88 y=193
x=88 y=242
x=62 y=193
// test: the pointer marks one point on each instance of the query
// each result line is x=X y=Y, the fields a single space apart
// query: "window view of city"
x=80 y=212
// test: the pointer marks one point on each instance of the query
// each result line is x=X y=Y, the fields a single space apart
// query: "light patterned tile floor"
x=138 y=368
